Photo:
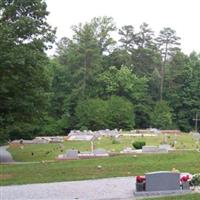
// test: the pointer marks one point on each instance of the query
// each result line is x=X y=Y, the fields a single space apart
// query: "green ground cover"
x=184 y=197
x=50 y=151
x=87 y=169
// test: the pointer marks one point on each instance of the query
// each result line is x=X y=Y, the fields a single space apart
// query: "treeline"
x=94 y=81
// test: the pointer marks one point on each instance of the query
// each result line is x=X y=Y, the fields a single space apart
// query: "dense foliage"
x=93 y=81
x=24 y=36
x=98 y=114
x=138 y=144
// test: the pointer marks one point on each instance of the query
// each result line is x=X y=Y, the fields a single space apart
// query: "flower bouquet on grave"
x=140 y=183
x=185 y=182
x=195 y=181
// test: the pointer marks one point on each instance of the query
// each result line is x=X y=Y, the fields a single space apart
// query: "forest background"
x=94 y=81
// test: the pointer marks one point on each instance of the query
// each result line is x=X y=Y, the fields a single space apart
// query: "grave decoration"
x=185 y=182
x=140 y=183
x=195 y=180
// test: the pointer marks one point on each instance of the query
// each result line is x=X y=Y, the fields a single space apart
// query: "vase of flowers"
x=185 y=182
x=140 y=183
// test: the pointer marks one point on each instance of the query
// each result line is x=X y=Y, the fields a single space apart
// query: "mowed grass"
x=184 y=197
x=39 y=152
x=116 y=166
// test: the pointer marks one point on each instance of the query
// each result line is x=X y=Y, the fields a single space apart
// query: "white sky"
x=181 y=15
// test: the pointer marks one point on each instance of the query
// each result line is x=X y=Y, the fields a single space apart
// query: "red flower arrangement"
x=185 y=178
x=140 y=179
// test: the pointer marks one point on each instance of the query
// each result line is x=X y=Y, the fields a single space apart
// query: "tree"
x=161 y=116
x=145 y=37
x=24 y=37
x=122 y=82
x=82 y=56
x=167 y=42
x=188 y=94
x=118 y=58
x=60 y=87
x=92 y=68
x=91 y=114
x=96 y=114
x=120 y=113
x=103 y=26
x=128 y=38
x=140 y=46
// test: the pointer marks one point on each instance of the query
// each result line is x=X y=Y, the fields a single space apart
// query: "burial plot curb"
x=152 y=194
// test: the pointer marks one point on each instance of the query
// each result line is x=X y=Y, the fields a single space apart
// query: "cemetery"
x=150 y=157
x=114 y=142
x=97 y=109
x=103 y=155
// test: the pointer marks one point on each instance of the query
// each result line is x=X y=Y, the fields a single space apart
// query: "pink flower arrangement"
x=140 y=179
x=185 y=178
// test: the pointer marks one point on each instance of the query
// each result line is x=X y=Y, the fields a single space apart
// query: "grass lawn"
x=184 y=197
x=50 y=151
x=87 y=169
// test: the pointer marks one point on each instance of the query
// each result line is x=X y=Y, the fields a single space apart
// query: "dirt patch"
x=6 y=176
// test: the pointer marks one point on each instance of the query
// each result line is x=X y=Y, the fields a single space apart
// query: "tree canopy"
x=24 y=36
x=93 y=81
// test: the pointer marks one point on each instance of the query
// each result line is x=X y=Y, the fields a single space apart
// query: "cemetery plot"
x=75 y=154
x=50 y=150
x=163 y=183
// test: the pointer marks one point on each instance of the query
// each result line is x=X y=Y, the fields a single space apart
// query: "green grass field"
x=116 y=166
x=124 y=165
x=50 y=151
x=184 y=197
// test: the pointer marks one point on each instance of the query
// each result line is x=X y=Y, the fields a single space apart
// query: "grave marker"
x=162 y=181
x=72 y=154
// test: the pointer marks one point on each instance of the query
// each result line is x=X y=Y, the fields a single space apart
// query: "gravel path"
x=100 y=189
x=5 y=156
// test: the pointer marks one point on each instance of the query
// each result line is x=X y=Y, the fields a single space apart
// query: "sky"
x=180 y=15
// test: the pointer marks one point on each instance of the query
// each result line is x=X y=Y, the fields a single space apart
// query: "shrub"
x=138 y=144
x=195 y=180
x=91 y=113
x=83 y=128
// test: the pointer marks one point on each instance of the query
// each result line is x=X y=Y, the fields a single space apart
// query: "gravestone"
x=149 y=149
x=154 y=149
x=40 y=141
x=57 y=140
x=162 y=150
x=72 y=154
x=100 y=152
x=127 y=150
x=165 y=146
x=162 y=181
x=81 y=137
x=196 y=136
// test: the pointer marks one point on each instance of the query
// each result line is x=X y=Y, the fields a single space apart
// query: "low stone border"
x=196 y=189
x=142 y=195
